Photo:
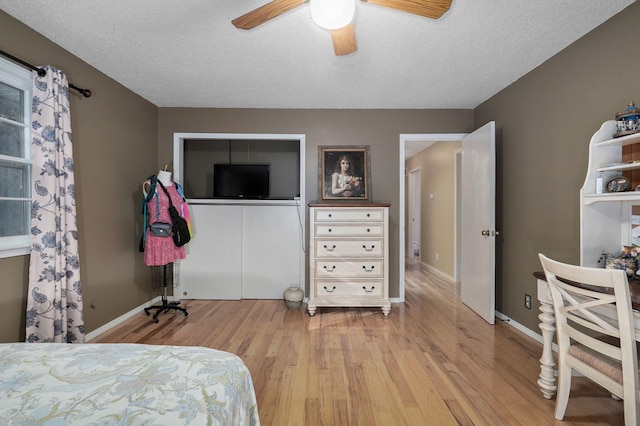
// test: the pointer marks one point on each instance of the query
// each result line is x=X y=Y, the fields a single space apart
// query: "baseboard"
x=122 y=318
x=519 y=327
x=524 y=330
x=437 y=272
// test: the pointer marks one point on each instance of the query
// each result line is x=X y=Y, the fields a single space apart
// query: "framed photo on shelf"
x=343 y=173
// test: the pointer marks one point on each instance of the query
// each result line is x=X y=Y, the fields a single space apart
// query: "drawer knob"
x=368 y=230
x=333 y=268
x=330 y=291
x=329 y=216
x=330 y=249
x=368 y=249
x=368 y=270
x=368 y=291
x=329 y=230
x=368 y=214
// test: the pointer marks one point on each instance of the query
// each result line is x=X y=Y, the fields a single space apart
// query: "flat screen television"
x=241 y=181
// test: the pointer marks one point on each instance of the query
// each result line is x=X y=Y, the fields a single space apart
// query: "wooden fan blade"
x=344 y=40
x=264 y=13
x=427 y=8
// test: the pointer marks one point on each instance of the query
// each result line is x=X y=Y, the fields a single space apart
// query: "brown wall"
x=544 y=122
x=380 y=129
x=115 y=149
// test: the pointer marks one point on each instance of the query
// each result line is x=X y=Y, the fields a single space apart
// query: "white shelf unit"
x=243 y=249
x=605 y=219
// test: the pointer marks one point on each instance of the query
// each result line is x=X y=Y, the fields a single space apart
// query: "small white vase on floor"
x=293 y=297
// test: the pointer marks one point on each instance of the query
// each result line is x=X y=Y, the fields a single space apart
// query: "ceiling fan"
x=336 y=16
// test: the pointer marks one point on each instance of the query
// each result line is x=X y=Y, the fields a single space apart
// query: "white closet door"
x=271 y=247
x=213 y=266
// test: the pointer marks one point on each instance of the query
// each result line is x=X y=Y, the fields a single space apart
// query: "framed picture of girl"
x=343 y=173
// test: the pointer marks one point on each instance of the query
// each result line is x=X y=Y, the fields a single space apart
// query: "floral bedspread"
x=123 y=384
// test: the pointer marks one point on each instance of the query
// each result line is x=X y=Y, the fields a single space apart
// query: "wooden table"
x=547 y=380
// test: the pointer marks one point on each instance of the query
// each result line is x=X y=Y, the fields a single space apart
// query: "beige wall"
x=380 y=129
x=544 y=122
x=115 y=148
x=437 y=214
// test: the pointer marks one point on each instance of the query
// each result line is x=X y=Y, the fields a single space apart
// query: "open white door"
x=478 y=272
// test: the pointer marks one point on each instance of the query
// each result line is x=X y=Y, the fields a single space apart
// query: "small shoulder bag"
x=180 y=229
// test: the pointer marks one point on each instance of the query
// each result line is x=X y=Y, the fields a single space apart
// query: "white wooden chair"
x=614 y=366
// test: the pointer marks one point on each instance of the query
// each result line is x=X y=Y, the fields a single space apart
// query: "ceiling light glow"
x=332 y=14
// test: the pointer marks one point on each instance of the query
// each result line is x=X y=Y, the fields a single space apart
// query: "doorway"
x=410 y=144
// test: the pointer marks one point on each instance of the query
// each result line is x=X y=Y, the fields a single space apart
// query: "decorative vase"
x=293 y=297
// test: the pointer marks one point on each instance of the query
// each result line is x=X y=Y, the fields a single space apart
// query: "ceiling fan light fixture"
x=332 y=14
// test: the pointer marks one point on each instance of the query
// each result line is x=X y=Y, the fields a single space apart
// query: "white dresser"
x=349 y=255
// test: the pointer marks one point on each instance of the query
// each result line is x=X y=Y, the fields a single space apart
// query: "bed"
x=125 y=384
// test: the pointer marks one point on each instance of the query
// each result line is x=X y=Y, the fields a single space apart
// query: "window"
x=15 y=159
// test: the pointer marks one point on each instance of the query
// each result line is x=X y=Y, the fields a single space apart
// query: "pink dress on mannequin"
x=160 y=251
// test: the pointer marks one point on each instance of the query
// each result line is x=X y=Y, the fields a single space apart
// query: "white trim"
x=535 y=336
x=241 y=202
x=17 y=160
x=412 y=179
x=122 y=318
x=16 y=76
x=21 y=79
x=437 y=272
x=15 y=251
x=405 y=137
x=457 y=162
x=520 y=327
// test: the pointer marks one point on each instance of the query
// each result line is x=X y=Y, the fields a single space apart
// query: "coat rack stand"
x=166 y=305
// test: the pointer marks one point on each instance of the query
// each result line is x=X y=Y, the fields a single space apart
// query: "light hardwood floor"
x=432 y=361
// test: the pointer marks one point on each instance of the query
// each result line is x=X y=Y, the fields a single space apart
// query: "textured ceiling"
x=179 y=53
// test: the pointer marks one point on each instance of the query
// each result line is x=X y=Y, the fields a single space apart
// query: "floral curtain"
x=54 y=303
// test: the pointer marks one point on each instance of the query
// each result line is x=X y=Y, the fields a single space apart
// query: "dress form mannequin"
x=159 y=252
x=163 y=175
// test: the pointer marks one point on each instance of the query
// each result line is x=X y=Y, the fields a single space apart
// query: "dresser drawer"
x=373 y=268
x=341 y=288
x=347 y=230
x=349 y=215
x=349 y=248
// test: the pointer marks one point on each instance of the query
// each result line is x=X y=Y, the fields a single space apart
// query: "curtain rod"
x=42 y=72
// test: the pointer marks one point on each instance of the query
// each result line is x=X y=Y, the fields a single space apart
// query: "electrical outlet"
x=527 y=301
